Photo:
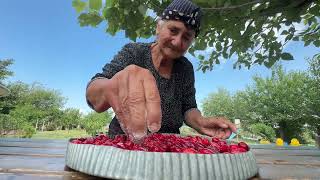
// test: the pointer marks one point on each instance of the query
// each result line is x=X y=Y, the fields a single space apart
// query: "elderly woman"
x=150 y=86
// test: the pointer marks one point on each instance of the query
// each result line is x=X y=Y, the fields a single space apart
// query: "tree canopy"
x=286 y=101
x=253 y=31
x=32 y=107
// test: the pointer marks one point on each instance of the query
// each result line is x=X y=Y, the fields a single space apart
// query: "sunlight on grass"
x=60 y=134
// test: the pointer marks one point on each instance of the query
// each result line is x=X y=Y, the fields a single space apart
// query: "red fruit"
x=88 y=141
x=129 y=145
x=98 y=142
x=237 y=150
x=205 y=142
x=76 y=141
x=243 y=145
x=221 y=143
x=167 y=143
x=107 y=143
x=120 y=145
x=137 y=147
x=216 y=140
x=189 y=151
x=223 y=148
x=175 y=149
x=81 y=139
x=206 y=151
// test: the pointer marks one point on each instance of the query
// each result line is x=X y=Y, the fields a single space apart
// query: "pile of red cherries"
x=168 y=143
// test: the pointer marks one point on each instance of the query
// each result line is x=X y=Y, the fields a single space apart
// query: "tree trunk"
x=37 y=124
x=42 y=126
x=318 y=138
x=283 y=131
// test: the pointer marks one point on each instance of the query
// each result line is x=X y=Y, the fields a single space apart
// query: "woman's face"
x=174 y=38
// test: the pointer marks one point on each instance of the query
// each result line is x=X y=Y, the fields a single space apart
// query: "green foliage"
x=4 y=72
x=313 y=105
x=27 y=130
x=94 y=122
x=71 y=118
x=32 y=107
x=254 y=31
x=286 y=100
x=280 y=100
x=263 y=130
x=95 y=4
x=79 y=5
x=29 y=108
x=219 y=104
x=60 y=134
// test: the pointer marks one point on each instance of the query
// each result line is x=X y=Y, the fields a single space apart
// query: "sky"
x=49 y=47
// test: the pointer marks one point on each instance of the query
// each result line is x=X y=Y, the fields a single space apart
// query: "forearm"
x=193 y=117
x=97 y=94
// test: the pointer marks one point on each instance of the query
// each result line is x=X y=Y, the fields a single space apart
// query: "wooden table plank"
x=31 y=174
x=22 y=151
x=44 y=159
x=32 y=162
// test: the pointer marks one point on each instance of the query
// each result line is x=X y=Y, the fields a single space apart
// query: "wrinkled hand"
x=218 y=127
x=135 y=100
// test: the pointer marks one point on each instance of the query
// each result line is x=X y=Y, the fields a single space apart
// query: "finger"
x=220 y=133
x=137 y=108
x=216 y=123
x=233 y=127
x=227 y=133
x=153 y=103
x=121 y=110
x=210 y=132
x=230 y=124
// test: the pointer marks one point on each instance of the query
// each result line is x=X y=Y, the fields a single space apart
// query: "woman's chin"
x=172 y=55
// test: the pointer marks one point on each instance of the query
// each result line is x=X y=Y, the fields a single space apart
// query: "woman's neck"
x=159 y=61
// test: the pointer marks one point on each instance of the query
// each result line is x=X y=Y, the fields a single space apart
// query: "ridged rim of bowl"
x=116 y=163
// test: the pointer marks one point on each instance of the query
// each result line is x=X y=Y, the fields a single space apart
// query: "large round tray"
x=116 y=163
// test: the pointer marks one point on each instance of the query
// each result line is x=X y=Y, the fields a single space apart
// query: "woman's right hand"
x=135 y=99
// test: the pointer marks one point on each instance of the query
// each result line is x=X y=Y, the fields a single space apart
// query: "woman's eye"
x=174 y=31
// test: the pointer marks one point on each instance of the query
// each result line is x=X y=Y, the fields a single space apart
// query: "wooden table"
x=44 y=159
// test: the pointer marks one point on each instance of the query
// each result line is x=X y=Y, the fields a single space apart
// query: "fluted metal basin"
x=116 y=163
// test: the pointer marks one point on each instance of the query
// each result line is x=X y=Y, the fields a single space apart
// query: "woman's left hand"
x=218 y=127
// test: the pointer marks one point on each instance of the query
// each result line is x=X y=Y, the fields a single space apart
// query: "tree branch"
x=235 y=6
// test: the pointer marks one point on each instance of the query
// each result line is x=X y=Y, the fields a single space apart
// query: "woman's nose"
x=177 y=42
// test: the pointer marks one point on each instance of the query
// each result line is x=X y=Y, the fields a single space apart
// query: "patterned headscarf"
x=185 y=11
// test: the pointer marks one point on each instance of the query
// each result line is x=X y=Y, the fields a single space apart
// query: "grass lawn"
x=60 y=134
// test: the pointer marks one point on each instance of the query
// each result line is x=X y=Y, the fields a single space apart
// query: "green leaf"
x=95 y=4
x=218 y=46
x=109 y=3
x=142 y=9
x=285 y=32
x=79 y=5
x=289 y=37
x=201 y=57
x=307 y=42
x=296 y=38
x=317 y=43
x=112 y=29
x=89 y=19
x=286 y=56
